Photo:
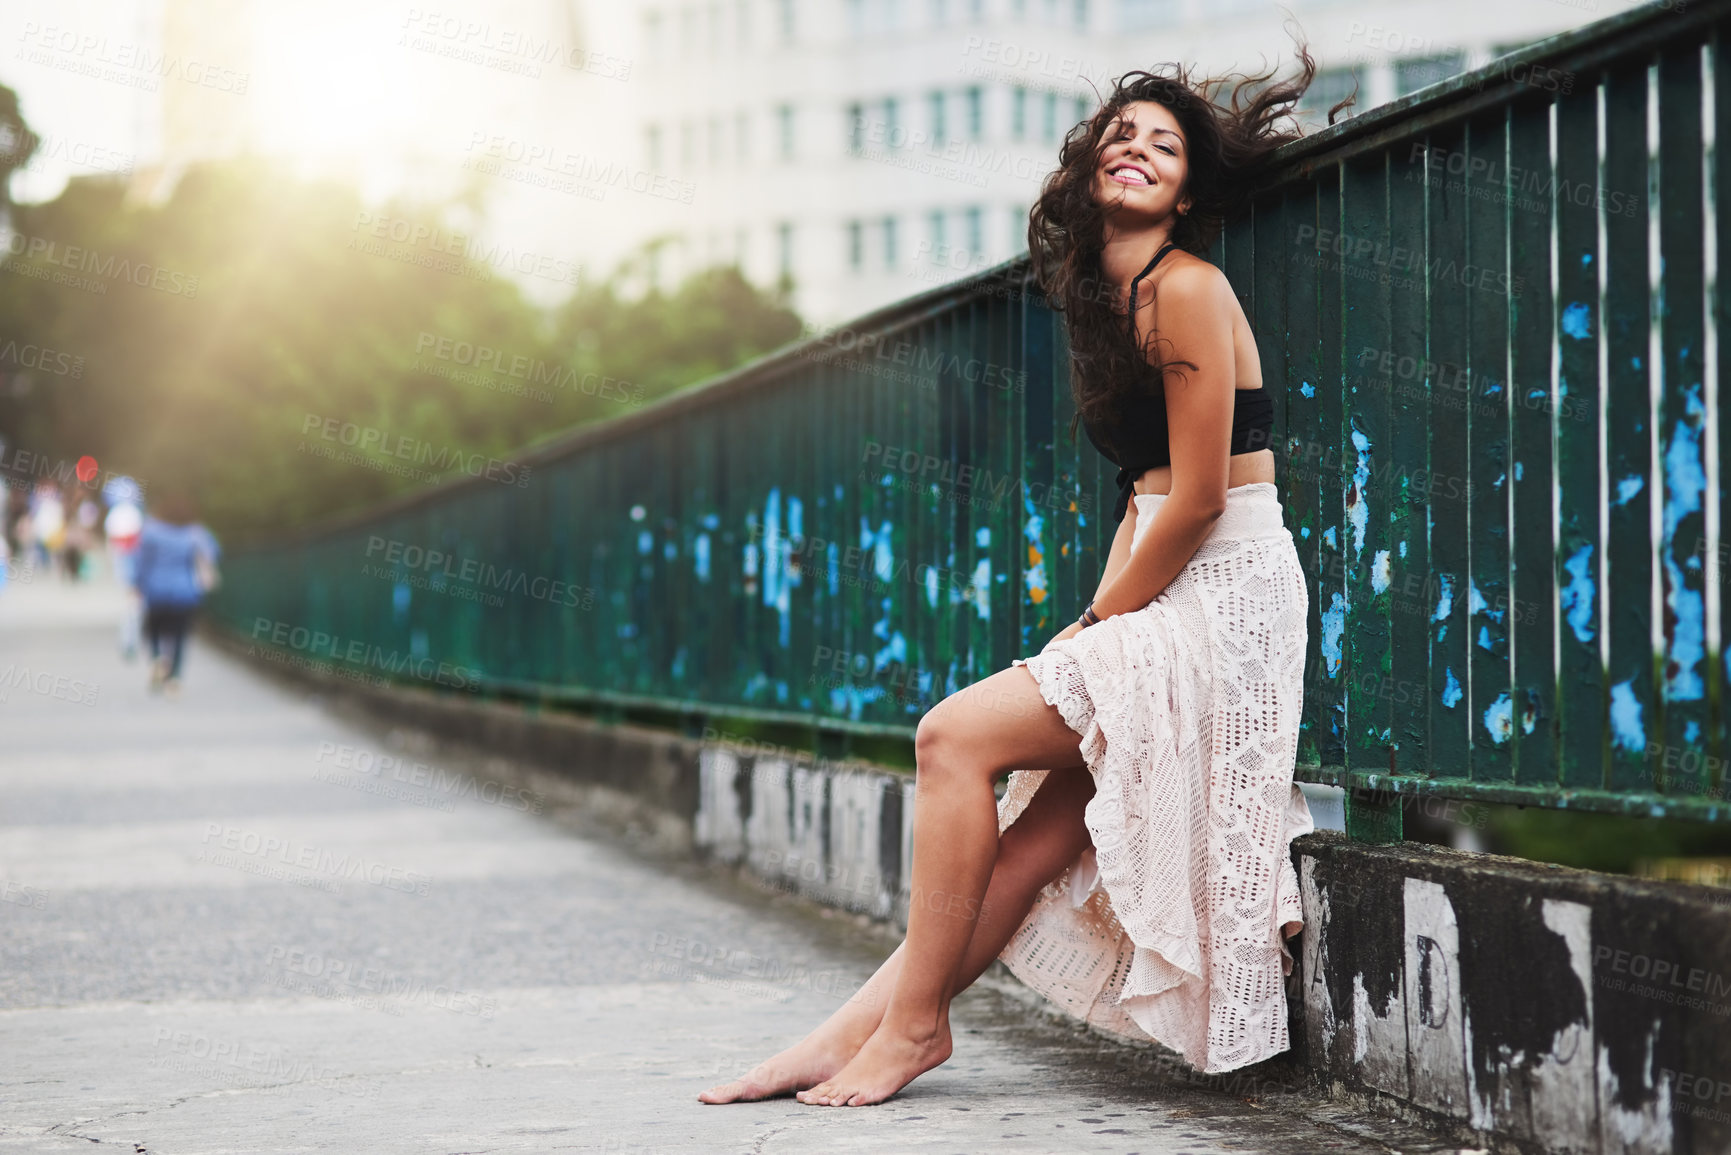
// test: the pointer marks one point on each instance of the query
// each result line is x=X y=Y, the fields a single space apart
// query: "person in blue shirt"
x=173 y=569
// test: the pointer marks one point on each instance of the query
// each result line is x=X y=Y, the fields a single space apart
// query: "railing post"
x=1372 y=815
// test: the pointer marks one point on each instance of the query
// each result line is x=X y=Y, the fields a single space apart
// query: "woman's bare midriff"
x=1241 y=469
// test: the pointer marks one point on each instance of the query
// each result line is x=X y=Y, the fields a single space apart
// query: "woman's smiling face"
x=1143 y=162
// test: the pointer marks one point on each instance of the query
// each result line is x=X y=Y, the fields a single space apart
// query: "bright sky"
x=395 y=96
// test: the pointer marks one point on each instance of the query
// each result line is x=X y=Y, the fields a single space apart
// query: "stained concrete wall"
x=1583 y=1012
x=1530 y=1006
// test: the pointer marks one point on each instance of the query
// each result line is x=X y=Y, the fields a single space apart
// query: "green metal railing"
x=1488 y=313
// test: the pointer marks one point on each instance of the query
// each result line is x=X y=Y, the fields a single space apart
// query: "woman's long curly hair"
x=1228 y=147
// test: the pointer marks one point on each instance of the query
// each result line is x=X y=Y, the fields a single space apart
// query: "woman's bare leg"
x=963 y=745
x=1044 y=840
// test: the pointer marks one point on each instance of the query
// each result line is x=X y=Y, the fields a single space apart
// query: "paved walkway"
x=235 y=921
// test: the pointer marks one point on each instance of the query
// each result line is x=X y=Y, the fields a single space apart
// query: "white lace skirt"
x=1172 y=926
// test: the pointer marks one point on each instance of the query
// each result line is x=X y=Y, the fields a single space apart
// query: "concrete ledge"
x=1513 y=1005
x=1568 y=1010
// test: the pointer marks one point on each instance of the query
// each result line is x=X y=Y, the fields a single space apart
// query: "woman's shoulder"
x=1190 y=278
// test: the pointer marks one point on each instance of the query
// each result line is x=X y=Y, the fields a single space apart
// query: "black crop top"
x=1138 y=438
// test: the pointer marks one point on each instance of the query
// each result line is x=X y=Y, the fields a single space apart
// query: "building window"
x=688 y=145
x=935 y=226
x=1329 y=88
x=1141 y=15
x=687 y=34
x=652 y=146
x=1018 y=113
x=742 y=137
x=786 y=21
x=856 y=25
x=1049 y=123
x=974 y=223
x=856 y=128
x=855 y=245
x=940 y=13
x=1084 y=106
x=742 y=24
x=892 y=110
x=784 y=120
x=714 y=30
x=715 y=148
x=1081 y=13
x=784 y=251
x=976 y=104
x=652 y=34
x=976 y=10
x=940 y=130
x=1018 y=229
x=889 y=242
x=1415 y=72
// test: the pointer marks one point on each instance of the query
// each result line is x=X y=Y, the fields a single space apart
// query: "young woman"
x=1137 y=870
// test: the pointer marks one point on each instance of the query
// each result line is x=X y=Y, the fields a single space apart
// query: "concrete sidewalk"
x=236 y=921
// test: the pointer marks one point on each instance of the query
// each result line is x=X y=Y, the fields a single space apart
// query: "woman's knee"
x=943 y=747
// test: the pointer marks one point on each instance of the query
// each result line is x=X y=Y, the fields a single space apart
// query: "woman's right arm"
x=1115 y=559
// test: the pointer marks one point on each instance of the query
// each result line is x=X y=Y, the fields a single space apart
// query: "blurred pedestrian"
x=121 y=528
x=174 y=568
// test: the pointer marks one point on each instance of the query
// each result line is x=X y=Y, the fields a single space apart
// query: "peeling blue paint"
x=1304 y=532
x=645 y=542
x=894 y=651
x=1579 y=596
x=1586 y=259
x=1445 y=596
x=1307 y=388
x=832 y=564
x=1333 y=627
x=1685 y=482
x=1692 y=731
x=983 y=537
x=1358 y=507
x=1499 y=719
x=1626 y=729
x=1628 y=487
x=1486 y=642
x=710 y=521
x=1476 y=603
x=1403 y=547
x=981 y=589
x=1518 y=471
x=700 y=556
x=401 y=595
x=1578 y=320
x=1328 y=537
x=1034 y=577
x=1379 y=575
x=932 y=586
x=1451 y=692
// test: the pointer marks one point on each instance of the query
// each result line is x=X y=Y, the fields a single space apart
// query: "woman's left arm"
x=1195 y=306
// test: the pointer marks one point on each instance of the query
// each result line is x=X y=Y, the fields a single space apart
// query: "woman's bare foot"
x=890 y=1060
x=811 y=1060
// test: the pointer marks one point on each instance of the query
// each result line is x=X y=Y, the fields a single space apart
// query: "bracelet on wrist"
x=1089 y=617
